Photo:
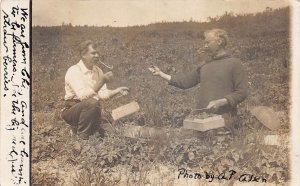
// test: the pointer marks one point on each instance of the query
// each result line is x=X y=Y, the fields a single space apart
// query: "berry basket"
x=203 y=120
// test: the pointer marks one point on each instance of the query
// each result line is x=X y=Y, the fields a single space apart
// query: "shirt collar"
x=83 y=67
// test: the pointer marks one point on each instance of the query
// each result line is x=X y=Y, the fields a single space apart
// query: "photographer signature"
x=227 y=175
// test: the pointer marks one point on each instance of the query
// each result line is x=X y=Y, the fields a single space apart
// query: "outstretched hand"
x=155 y=70
x=123 y=90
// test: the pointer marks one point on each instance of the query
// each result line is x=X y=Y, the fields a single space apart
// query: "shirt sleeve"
x=75 y=80
x=186 y=80
x=240 y=85
x=103 y=93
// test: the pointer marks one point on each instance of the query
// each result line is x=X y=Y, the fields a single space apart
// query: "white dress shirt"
x=79 y=83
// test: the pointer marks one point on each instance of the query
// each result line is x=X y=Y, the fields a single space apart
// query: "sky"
x=122 y=13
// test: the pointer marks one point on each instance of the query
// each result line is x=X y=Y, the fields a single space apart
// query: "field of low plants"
x=261 y=41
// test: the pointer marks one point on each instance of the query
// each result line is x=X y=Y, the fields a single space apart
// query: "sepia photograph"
x=161 y=92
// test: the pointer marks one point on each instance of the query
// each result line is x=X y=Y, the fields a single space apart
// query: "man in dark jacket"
x=223 y=80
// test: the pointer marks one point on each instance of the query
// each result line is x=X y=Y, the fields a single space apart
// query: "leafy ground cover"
x=261 y=41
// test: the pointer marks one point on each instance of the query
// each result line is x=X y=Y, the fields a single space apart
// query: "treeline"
x=241 y=25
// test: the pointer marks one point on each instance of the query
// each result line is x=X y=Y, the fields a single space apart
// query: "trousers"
x=84 y=116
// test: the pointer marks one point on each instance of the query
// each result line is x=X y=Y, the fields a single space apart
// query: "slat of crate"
x=125 y=110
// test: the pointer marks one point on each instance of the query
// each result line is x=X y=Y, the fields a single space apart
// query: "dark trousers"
x=84 y=117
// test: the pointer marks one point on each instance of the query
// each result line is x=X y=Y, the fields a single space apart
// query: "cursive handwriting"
x=15 y=25
x=24 y=45
x=226 y=175
x=252 y=178
x=25 y=73
x=15 y=80
x=5 y=24
x=12 y=157
x=7 y=60
x=24 y=14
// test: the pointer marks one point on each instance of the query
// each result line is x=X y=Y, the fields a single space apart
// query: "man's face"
x=212 y=44
x=91 y=56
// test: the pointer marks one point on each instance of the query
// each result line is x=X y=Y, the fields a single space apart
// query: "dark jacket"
x=224 y=77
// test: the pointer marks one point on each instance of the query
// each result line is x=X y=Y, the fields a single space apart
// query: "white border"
x=295 y=94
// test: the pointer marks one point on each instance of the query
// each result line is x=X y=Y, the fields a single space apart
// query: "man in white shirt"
x=85 y=85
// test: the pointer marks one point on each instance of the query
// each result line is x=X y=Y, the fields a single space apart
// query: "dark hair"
x=84 y=46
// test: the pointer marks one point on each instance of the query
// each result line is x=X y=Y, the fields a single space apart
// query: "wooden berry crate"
x=125 y=110
x=203 y=124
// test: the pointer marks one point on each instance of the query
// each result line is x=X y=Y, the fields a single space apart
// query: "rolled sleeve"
x=103 y=93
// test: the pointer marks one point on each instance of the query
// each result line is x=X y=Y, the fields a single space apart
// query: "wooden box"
x=125 y=110
x=204 y=124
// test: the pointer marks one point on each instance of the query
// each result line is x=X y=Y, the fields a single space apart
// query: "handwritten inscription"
x=15 y=91
x=226 y=175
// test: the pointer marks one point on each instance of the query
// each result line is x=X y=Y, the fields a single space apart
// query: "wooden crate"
x=204 y=124
x=271 y=140
x=125 y=110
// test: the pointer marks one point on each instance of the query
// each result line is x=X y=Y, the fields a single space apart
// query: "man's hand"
x=108 y=76
x=155 y=70
x=214 y=105
x=123 y=90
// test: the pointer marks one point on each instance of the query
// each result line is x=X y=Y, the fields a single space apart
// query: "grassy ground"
x=261 y=41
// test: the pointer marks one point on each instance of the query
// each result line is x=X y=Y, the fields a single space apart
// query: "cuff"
x=172 y=82
x=230 y=100
x=104 y=94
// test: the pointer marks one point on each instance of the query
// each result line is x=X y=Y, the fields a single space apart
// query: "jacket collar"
x=218 y=57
